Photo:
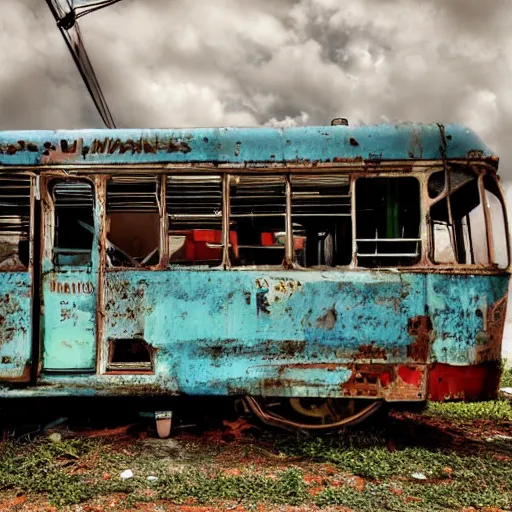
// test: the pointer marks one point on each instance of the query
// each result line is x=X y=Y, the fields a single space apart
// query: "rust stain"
x=292 y=348
x=419 y=327
x=371 y=351
x=389 y=382
x=23 y=377
x=330 y=367
x=496 y=325
x=62 y=152
x=367 y=380
x=71 y=150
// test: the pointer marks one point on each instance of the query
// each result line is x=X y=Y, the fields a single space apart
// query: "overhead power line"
x=68 y=26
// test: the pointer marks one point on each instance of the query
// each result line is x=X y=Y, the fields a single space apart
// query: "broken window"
x=388 y=221
x=321 y=216
x=498 y=226
x=457 y=222
x=194 y=208
x=74 y=222
x=14 y=221
x=130 y=355
x=258 y=216
x=133 y=221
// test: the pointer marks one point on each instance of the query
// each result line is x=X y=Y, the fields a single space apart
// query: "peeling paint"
x=305 y=145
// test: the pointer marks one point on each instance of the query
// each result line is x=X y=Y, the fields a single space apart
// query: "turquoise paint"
x=243 y=145
x=15 y=324
x=211 y=337
x=69 y=300
x=458 y=306
x=225 y=332
x=69 y=320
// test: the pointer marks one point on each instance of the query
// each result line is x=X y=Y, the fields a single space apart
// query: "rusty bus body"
x=364 y=263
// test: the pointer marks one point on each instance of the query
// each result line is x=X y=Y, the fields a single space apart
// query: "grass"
x=506 y=378
x=287 y=487
x=75 y=471
x=494 y=410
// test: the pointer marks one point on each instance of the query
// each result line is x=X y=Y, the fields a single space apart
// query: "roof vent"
x=339 y=121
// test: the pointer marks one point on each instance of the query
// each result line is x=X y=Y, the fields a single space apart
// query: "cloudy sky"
x=168 y=63
x=184 y=63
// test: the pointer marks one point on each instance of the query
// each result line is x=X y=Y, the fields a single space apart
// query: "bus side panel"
x=468 y=318
x=275 y=333
x=15 y=326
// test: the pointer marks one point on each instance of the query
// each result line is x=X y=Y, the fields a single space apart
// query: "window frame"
x=422 y=175
x=160 y=191
x=49 y=221
x=33 y=186
x=480 y=173
x=421 y=227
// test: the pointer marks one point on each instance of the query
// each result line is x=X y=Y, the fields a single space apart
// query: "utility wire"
x=96 y=6
x=72 y=36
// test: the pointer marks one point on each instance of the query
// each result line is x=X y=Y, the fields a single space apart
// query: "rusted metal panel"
x=309 y=145
x=15 y=326
x=468 y=315
x=475 y=382
x=295 y=333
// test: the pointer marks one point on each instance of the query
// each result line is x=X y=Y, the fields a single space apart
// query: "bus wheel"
x=315 y=414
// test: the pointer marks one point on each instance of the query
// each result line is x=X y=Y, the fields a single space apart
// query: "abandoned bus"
x=316 y=272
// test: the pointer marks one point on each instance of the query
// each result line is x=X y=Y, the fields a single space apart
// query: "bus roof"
x=243 y=146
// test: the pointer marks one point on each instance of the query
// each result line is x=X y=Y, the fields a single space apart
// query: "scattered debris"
x=127 y=473
x=418 y=476
x=55 y=437
x=357 y=483
x=235 y=430
x=506 y=393
x=499 y=437
x=107 y=432
x=151 y=478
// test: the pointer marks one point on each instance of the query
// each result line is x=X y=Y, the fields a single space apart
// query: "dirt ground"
x=450 y=457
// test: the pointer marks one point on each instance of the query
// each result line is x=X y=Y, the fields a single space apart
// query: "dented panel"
x=357 y=334
x=271 y=333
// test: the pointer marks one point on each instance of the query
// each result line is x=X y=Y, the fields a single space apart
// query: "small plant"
x=506 y=377
x=495 y=410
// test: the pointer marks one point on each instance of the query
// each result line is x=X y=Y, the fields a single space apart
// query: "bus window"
x=14 y=222
x=388 y=221
x=74 y=222
x=499 y=229
x=321 y=215
x=194 y=207
x=133 y=221
x=461 y=239
x=258 y=214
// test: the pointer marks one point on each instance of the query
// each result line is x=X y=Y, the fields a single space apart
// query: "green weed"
x=495 y=410
x=287 y=488
x=506 y=378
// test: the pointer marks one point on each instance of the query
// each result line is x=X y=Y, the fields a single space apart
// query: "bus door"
x=15 y=278
x=70 y=262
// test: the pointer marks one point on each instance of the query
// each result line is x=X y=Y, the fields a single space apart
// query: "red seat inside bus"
x=197 y=245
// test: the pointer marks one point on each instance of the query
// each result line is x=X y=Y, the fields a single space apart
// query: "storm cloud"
x=167 y=63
